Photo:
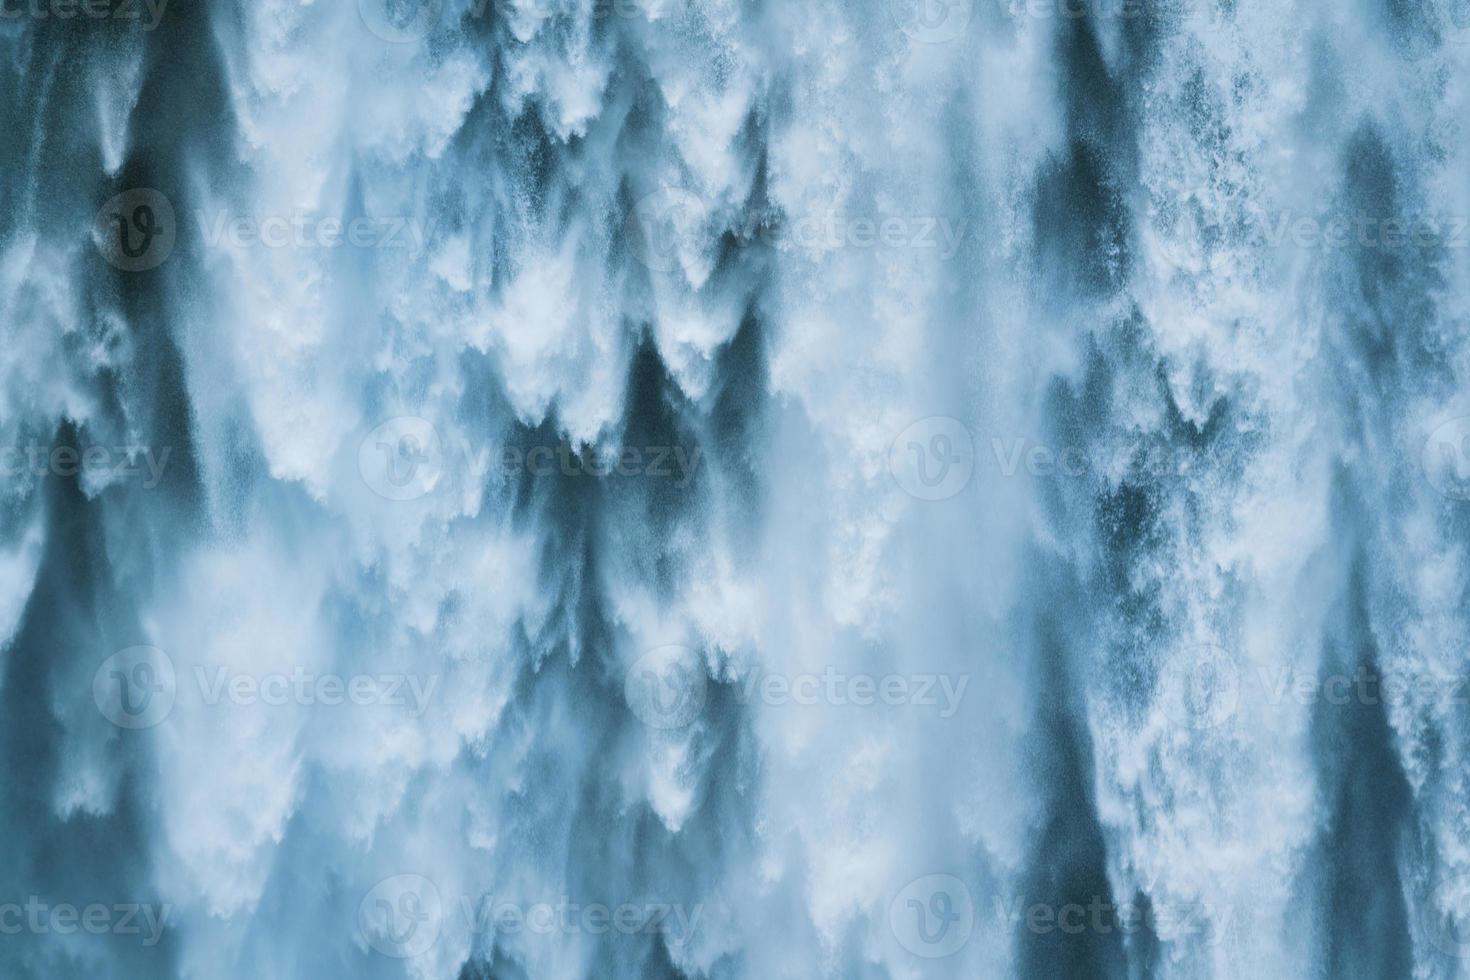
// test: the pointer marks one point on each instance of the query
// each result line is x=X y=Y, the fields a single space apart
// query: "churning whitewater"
x=877 y=489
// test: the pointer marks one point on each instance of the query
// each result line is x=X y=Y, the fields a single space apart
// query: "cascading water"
x=735 y=488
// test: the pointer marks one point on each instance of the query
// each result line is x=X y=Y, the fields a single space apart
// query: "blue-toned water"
x=735 y=488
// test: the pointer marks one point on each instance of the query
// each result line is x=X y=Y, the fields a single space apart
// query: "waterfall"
x=735 y=488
